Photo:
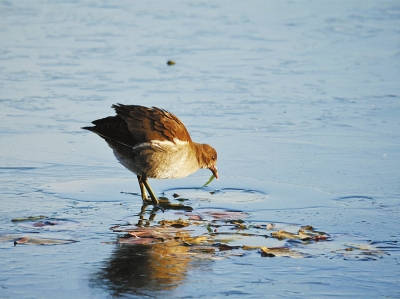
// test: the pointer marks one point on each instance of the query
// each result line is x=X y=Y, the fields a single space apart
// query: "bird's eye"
x=213 y=157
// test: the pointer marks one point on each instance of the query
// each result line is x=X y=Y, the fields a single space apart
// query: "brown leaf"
x=227 y=215
x=175 y=223
x=308 y=230
x=196 y=240
x=280 y=235
x=246 y=247
x=30 y=218
x=41 y=241
x=280 y=251
x=195 y=217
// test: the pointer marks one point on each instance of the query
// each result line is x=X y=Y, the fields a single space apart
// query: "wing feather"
x=146 y=124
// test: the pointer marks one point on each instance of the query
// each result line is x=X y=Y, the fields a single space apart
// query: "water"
x=301 y=100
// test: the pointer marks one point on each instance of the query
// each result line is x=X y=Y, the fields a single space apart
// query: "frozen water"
x=300 y=98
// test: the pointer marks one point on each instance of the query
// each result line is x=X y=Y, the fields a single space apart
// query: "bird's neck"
x=199 y=149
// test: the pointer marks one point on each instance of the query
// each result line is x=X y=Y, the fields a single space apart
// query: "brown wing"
x=146 y=124
x=113 y=128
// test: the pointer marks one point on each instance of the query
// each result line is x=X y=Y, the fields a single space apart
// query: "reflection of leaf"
x=361 y=251
x=209 y=181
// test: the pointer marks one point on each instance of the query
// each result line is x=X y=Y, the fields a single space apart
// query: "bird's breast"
x=167 y=159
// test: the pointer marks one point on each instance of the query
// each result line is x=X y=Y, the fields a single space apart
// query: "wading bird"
x=153 y=143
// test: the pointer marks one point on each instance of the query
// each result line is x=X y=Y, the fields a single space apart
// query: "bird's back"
x=136 y=124
x=148 y=141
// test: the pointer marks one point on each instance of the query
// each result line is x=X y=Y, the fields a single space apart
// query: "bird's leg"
x=151 y=193
x=142 y=190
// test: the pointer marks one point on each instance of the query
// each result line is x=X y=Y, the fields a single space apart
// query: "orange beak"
x=214 y=170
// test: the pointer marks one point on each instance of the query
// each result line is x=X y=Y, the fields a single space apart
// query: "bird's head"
x=207 y=157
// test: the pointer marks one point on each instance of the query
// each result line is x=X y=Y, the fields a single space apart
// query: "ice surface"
x=300 y=98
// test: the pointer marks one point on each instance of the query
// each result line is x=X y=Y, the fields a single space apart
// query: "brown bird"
x=153 y=143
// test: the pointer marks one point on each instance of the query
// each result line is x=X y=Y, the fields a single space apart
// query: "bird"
x=153 y=143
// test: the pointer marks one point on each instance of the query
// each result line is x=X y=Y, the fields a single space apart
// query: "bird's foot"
x=156 y=205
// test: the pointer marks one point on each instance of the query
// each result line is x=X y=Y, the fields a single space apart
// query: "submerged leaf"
x=30 y=218
x=360 y=252
x=182 y=199
x=43 y=223
x=41 y=241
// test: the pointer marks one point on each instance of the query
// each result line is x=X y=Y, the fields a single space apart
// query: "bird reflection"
x=144 y=268
x=142 y=216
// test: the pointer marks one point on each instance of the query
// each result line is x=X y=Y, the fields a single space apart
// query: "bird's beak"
x=214 y=170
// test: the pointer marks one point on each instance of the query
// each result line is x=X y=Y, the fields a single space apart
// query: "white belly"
x=161 y=159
